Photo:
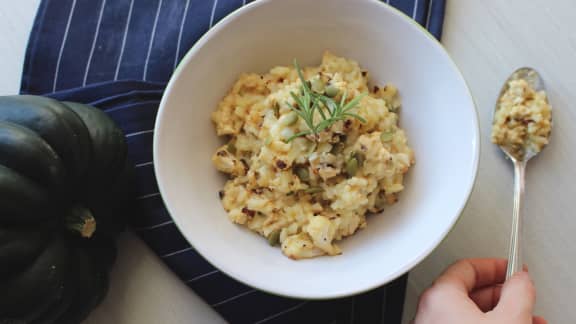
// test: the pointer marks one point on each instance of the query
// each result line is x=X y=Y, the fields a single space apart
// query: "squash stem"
x=81 y=220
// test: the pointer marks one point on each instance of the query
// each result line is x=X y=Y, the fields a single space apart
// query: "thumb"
x=518 y=296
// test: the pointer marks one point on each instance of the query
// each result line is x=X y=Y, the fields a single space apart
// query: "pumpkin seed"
x=331 y=91
x=285 y=134
x=352 y=166
x=302 y=173
x=289 y=119
x=317 y=85
x=231 y=147
x=387 y=136
x=313 y=190
x=274 y=237
x=360 y=157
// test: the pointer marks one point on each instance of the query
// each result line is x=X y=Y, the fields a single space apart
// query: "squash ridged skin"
x=109 y=147
x=59 y=306
x=90 y=291
x=29 y=293
x=19 y=247
x=25 y=152
x=58 y=126
x=55 y=157
x=23 y=201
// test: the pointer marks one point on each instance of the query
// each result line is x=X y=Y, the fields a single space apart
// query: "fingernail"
x=524 y=276
x=525 y=267
x=521 y=274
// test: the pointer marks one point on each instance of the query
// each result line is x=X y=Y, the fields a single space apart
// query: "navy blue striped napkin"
x=118 y=55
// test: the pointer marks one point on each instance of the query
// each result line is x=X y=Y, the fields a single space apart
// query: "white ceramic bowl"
x=438 y=115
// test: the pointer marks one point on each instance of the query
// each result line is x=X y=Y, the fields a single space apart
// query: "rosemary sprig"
x=330 y=111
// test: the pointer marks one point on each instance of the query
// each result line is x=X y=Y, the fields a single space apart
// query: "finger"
x=469 y=274
x=486 y=298
x=539 y=320
x=518 y=295
x=437 y=302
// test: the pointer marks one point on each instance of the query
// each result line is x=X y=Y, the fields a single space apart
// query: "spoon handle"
x=515 y=251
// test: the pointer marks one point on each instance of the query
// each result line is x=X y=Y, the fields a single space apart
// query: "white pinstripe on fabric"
x=293 y=308
x=109 y=110
x=415 y=11
x=352 y=305
x=383 y=308
x=62 y=45
x=243 y=2
x=213 y=12
x=151 y=42
x=183 y=21
x=148 y=131
x=93 y=43
x=429 y=13
x=207 y=274
x=155 y=194
x=124 y=40
x=147 y=228
x=233 y=298
x=140 y=165
x=176 y=252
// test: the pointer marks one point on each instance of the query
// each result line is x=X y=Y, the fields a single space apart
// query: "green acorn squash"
x=63 y=180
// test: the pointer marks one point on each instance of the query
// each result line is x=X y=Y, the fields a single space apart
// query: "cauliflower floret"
x=325 y=165
x=228 y=163
x=233 y=109
x=322 y=231
x=349 y=223
x=237 y=216
x=300 y=246
x=350 y=194
x=348 y=69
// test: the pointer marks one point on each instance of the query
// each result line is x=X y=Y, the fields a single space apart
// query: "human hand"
x=471 y=292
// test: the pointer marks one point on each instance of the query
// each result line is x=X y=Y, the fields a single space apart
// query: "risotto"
x=523 y=119
x=307 y=161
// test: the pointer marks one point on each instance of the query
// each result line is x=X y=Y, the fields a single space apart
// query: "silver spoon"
x=515 y=250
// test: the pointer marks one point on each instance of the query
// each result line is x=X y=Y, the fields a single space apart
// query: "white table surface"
x=488 y=39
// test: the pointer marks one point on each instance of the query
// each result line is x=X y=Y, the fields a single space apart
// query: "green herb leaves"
x=330 y=111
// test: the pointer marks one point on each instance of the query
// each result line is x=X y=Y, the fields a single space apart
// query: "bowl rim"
x=304 y=294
